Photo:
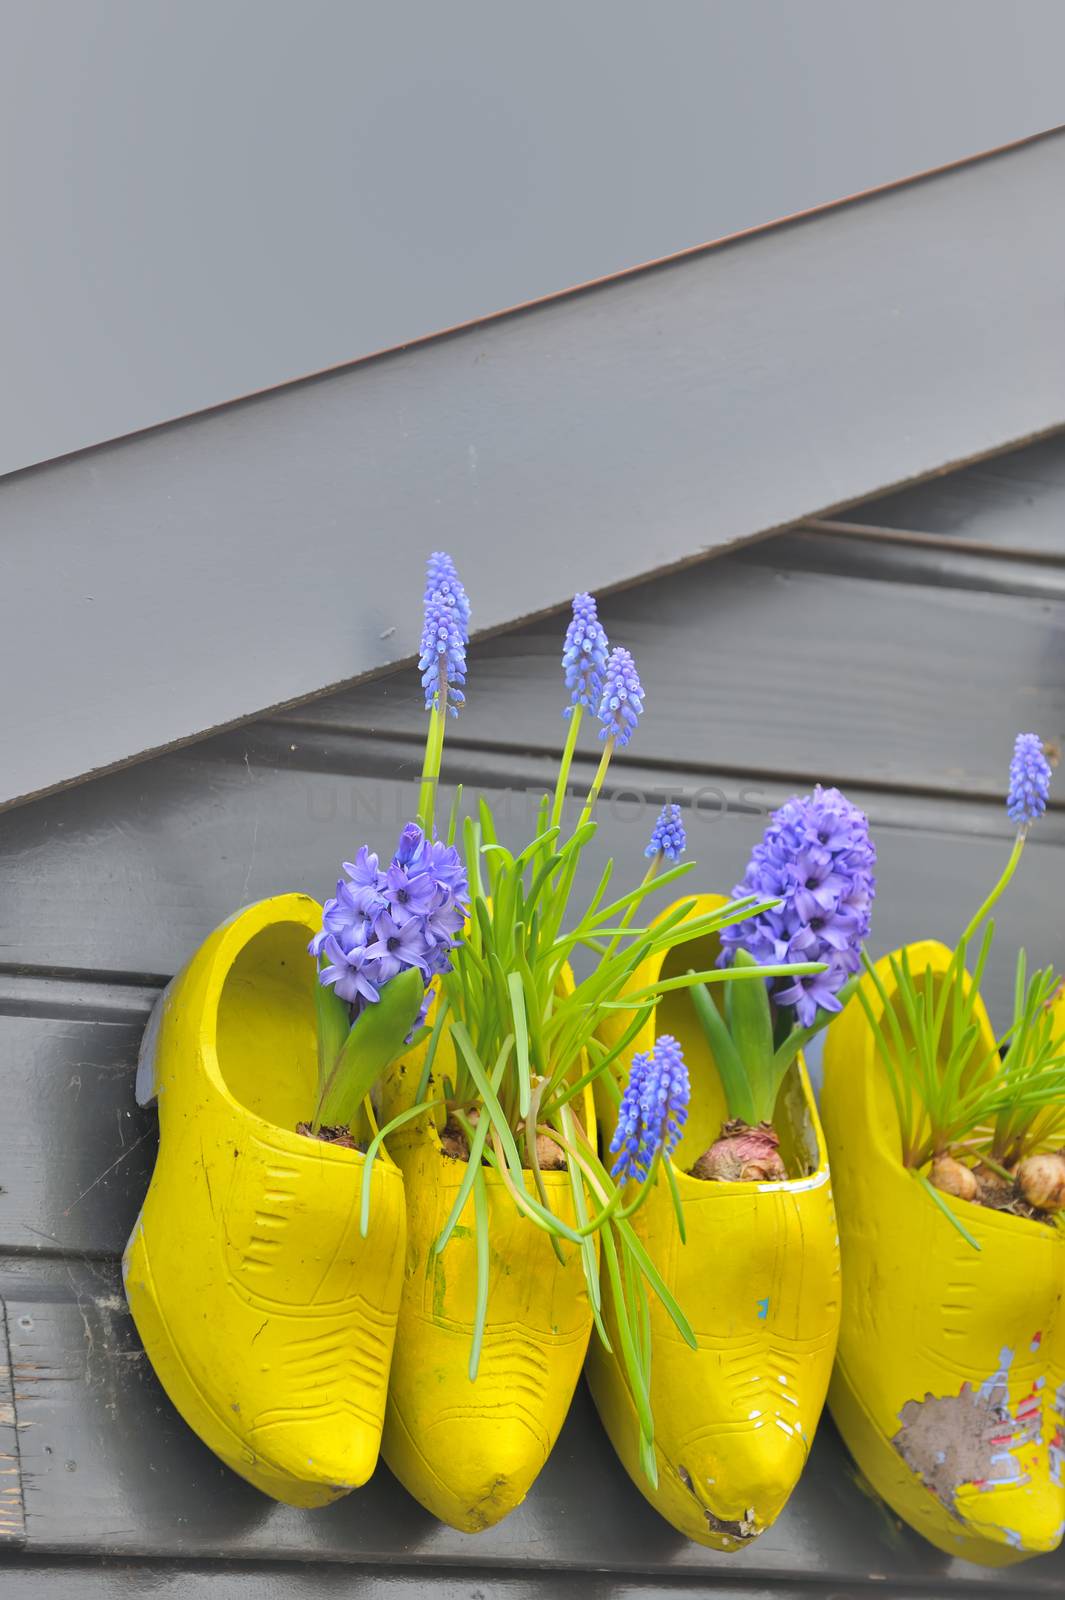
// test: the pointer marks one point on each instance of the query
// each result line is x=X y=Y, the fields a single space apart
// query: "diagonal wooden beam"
x=191 y=577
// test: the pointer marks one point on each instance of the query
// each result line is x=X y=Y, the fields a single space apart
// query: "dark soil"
x=996 y=1193
x=338 y=1135
x=1003 y=1197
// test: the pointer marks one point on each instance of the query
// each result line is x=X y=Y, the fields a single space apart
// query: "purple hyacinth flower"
x=622 y=698
x=351 y=972
x=380 y=922
x=809 y=993
x=1029 y=787
x=816 y=856
x=584 y=655
x=668 y=838
x=409 y=894
x=397 y=945
x=365 y=890
x=654 y=1109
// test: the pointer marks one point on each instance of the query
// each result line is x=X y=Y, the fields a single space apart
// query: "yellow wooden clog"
x=949 y=1386
x=470 y=1452
x=758 y=1280
x=268 y=1319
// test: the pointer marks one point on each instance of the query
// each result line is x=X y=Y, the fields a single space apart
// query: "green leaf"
x=501 y=1127
x=452 y=821
x=373 y=1042
x=480 y=1134
x=751 y=1028
x=738 y=1095
x=521 y=1039
x=371 y=1155
x=946 y=1210
x=333 y=1021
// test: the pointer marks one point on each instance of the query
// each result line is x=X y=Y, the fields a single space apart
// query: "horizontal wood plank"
x=1013 y=503
x=47 y=1578
x=109 y=1468
x=257 y=555
x=757 y=666
x=138 y=868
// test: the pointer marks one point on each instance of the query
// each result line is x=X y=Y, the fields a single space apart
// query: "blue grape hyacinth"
x=380 y=922
x=816 y=857
x=668 y=838
x=622 y=699
x=654 y=1109
x=584 y=655
x=445 y=634
x=441 y=577
x=1029 y=787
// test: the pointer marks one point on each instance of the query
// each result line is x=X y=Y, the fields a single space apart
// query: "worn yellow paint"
x=950 y=1378
x=269 y=1321
x=758 y=1280
x=470 y=1451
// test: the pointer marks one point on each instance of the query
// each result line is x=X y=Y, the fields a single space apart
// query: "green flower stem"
x=434 y=754
x=644 y=884
x=565 y=765
x=597 y=781
x=1010 y=869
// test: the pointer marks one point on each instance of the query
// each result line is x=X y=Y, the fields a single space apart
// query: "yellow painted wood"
x=949 y=1386
x=470 y=1452
x=267 y=1318
x=759 y=1281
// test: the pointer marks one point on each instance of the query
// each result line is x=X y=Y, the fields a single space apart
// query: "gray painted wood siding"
x=207 y=201
x=887 y=667
x=201 y=574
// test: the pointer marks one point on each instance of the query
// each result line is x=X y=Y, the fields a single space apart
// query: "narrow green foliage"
x=953 y=1088
x=371 y=1045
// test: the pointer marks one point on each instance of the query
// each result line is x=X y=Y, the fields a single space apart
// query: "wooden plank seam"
x=12 y=1506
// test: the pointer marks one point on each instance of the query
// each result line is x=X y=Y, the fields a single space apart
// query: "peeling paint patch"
x=968 y=1438
x=1057 y=1439
x=743 y=1528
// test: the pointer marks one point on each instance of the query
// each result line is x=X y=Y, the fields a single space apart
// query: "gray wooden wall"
x=897 y=659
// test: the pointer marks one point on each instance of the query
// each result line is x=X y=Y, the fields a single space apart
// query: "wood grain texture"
x=352 y=183
x=1013 y=503
x=12 y=1509
x=257 y=555
x=295 y=1580
x=140 y=866
x=757 y=663
x=763 y=672
x=109 y=1468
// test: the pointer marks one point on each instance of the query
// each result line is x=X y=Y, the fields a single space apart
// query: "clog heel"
x=470 y=1451
x=950 y=1379
x=268 y=1319
x=758 y=1280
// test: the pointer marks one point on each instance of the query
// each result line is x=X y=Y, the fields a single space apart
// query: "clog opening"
x=266 y=1035
x=675 y=1014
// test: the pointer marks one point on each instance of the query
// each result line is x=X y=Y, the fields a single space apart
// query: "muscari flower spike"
x=380 y=922
x=654 y=1109
x=446 y=632
x=817 y=858
x=668 y=838
x=584 y=655
x=441 y=576
x=622 y=699
x=1029 y=780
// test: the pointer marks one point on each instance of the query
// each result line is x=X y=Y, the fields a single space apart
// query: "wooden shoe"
x=268 y=1319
